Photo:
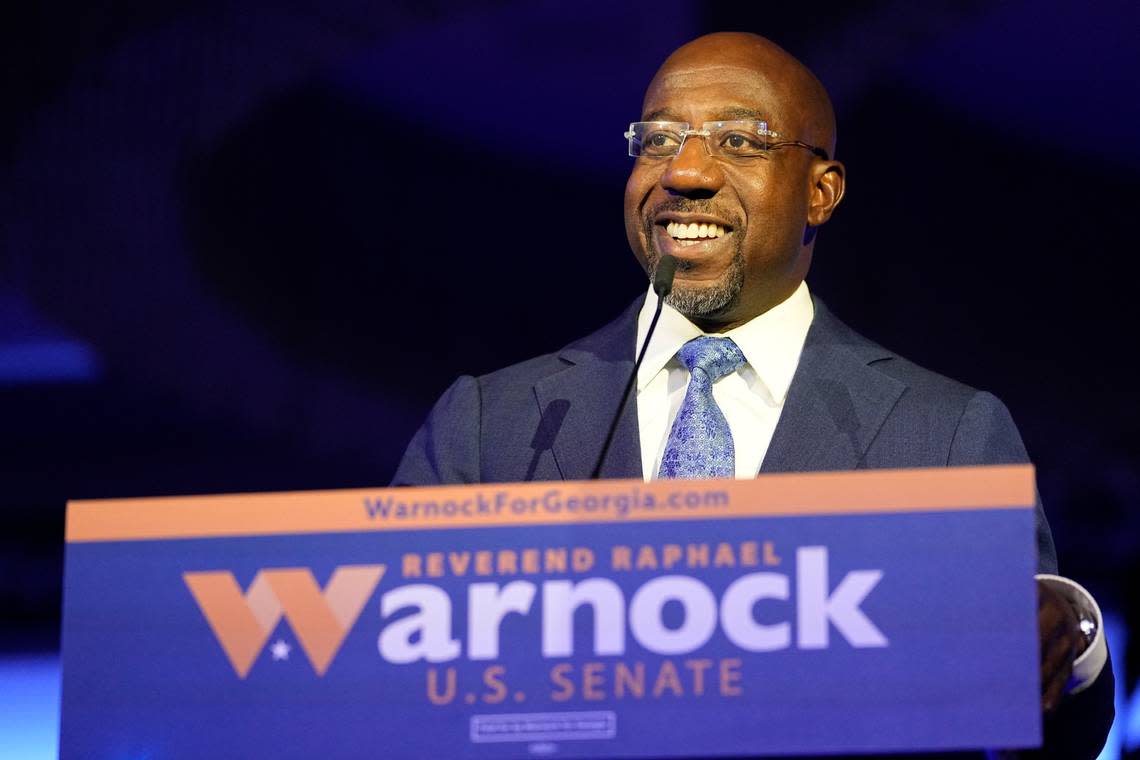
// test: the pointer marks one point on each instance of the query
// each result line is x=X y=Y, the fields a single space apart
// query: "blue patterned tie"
x=700 y=443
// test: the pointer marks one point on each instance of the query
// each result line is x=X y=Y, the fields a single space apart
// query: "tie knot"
x=716 y=357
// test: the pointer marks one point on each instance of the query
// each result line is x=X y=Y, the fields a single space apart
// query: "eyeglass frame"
x=686 y=131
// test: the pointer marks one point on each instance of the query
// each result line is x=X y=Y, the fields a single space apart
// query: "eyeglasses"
x=732 y=140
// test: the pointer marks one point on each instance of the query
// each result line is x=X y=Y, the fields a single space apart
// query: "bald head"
x=801 y=108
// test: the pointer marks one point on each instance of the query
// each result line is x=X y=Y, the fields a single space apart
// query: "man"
x=745 y=373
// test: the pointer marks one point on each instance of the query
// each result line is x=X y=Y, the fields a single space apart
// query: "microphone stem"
x=628 y=387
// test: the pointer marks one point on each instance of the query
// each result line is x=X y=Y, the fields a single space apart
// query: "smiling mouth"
x=694 y=233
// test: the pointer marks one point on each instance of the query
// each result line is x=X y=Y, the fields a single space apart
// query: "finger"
x=1052 y=610
x=1056 y=667
x=1060 y=640
x=1052 y=691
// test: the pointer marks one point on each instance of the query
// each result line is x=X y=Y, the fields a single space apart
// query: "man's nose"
x=693 y=173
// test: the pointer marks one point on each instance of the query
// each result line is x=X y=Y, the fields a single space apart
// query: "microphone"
x=662 y=286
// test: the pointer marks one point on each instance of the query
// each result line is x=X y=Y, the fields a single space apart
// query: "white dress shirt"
x=752 y=399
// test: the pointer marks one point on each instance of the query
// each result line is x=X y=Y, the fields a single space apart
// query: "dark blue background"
x=246 y=244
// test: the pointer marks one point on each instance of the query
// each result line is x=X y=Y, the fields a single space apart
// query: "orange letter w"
x=243 y=622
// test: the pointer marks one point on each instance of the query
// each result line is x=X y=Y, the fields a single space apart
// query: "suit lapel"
x=836 y=403
x=590 y=387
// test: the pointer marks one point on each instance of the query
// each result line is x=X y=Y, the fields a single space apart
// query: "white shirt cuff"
x=1087 y=667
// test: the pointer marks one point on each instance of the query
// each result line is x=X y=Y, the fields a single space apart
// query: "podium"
x=849 y=612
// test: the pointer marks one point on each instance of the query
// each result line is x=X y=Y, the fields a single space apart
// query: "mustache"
x=681 y=205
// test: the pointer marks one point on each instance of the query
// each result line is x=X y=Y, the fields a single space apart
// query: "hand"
x=1061 y=643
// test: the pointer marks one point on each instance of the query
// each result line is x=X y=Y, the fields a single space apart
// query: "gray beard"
x=706 y=300
x=709 y=300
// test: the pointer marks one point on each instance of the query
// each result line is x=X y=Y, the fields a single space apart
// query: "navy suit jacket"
x=852 y=404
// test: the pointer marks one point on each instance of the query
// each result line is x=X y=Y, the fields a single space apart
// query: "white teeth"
x=693 y=231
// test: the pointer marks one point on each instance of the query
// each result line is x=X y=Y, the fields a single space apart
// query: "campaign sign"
x=790 y=614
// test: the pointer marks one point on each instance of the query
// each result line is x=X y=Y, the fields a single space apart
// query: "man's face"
x=756 y=255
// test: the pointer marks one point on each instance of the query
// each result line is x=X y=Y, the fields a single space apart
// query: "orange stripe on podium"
x=286 y=513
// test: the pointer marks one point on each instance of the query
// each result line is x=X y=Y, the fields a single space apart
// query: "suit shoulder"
x=923 y=386
x=933 y=420
x=926 y=385
x=612 y=342
x=519 y=376
x=974 y=424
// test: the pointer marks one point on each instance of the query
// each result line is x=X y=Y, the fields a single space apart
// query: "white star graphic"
x=280 y=650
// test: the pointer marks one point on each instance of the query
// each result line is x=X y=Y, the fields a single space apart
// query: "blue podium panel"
x=793 y=614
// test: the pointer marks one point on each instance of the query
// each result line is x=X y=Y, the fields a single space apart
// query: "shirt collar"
x=771 y=342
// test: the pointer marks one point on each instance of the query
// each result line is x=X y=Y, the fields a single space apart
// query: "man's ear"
x=829 y=178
